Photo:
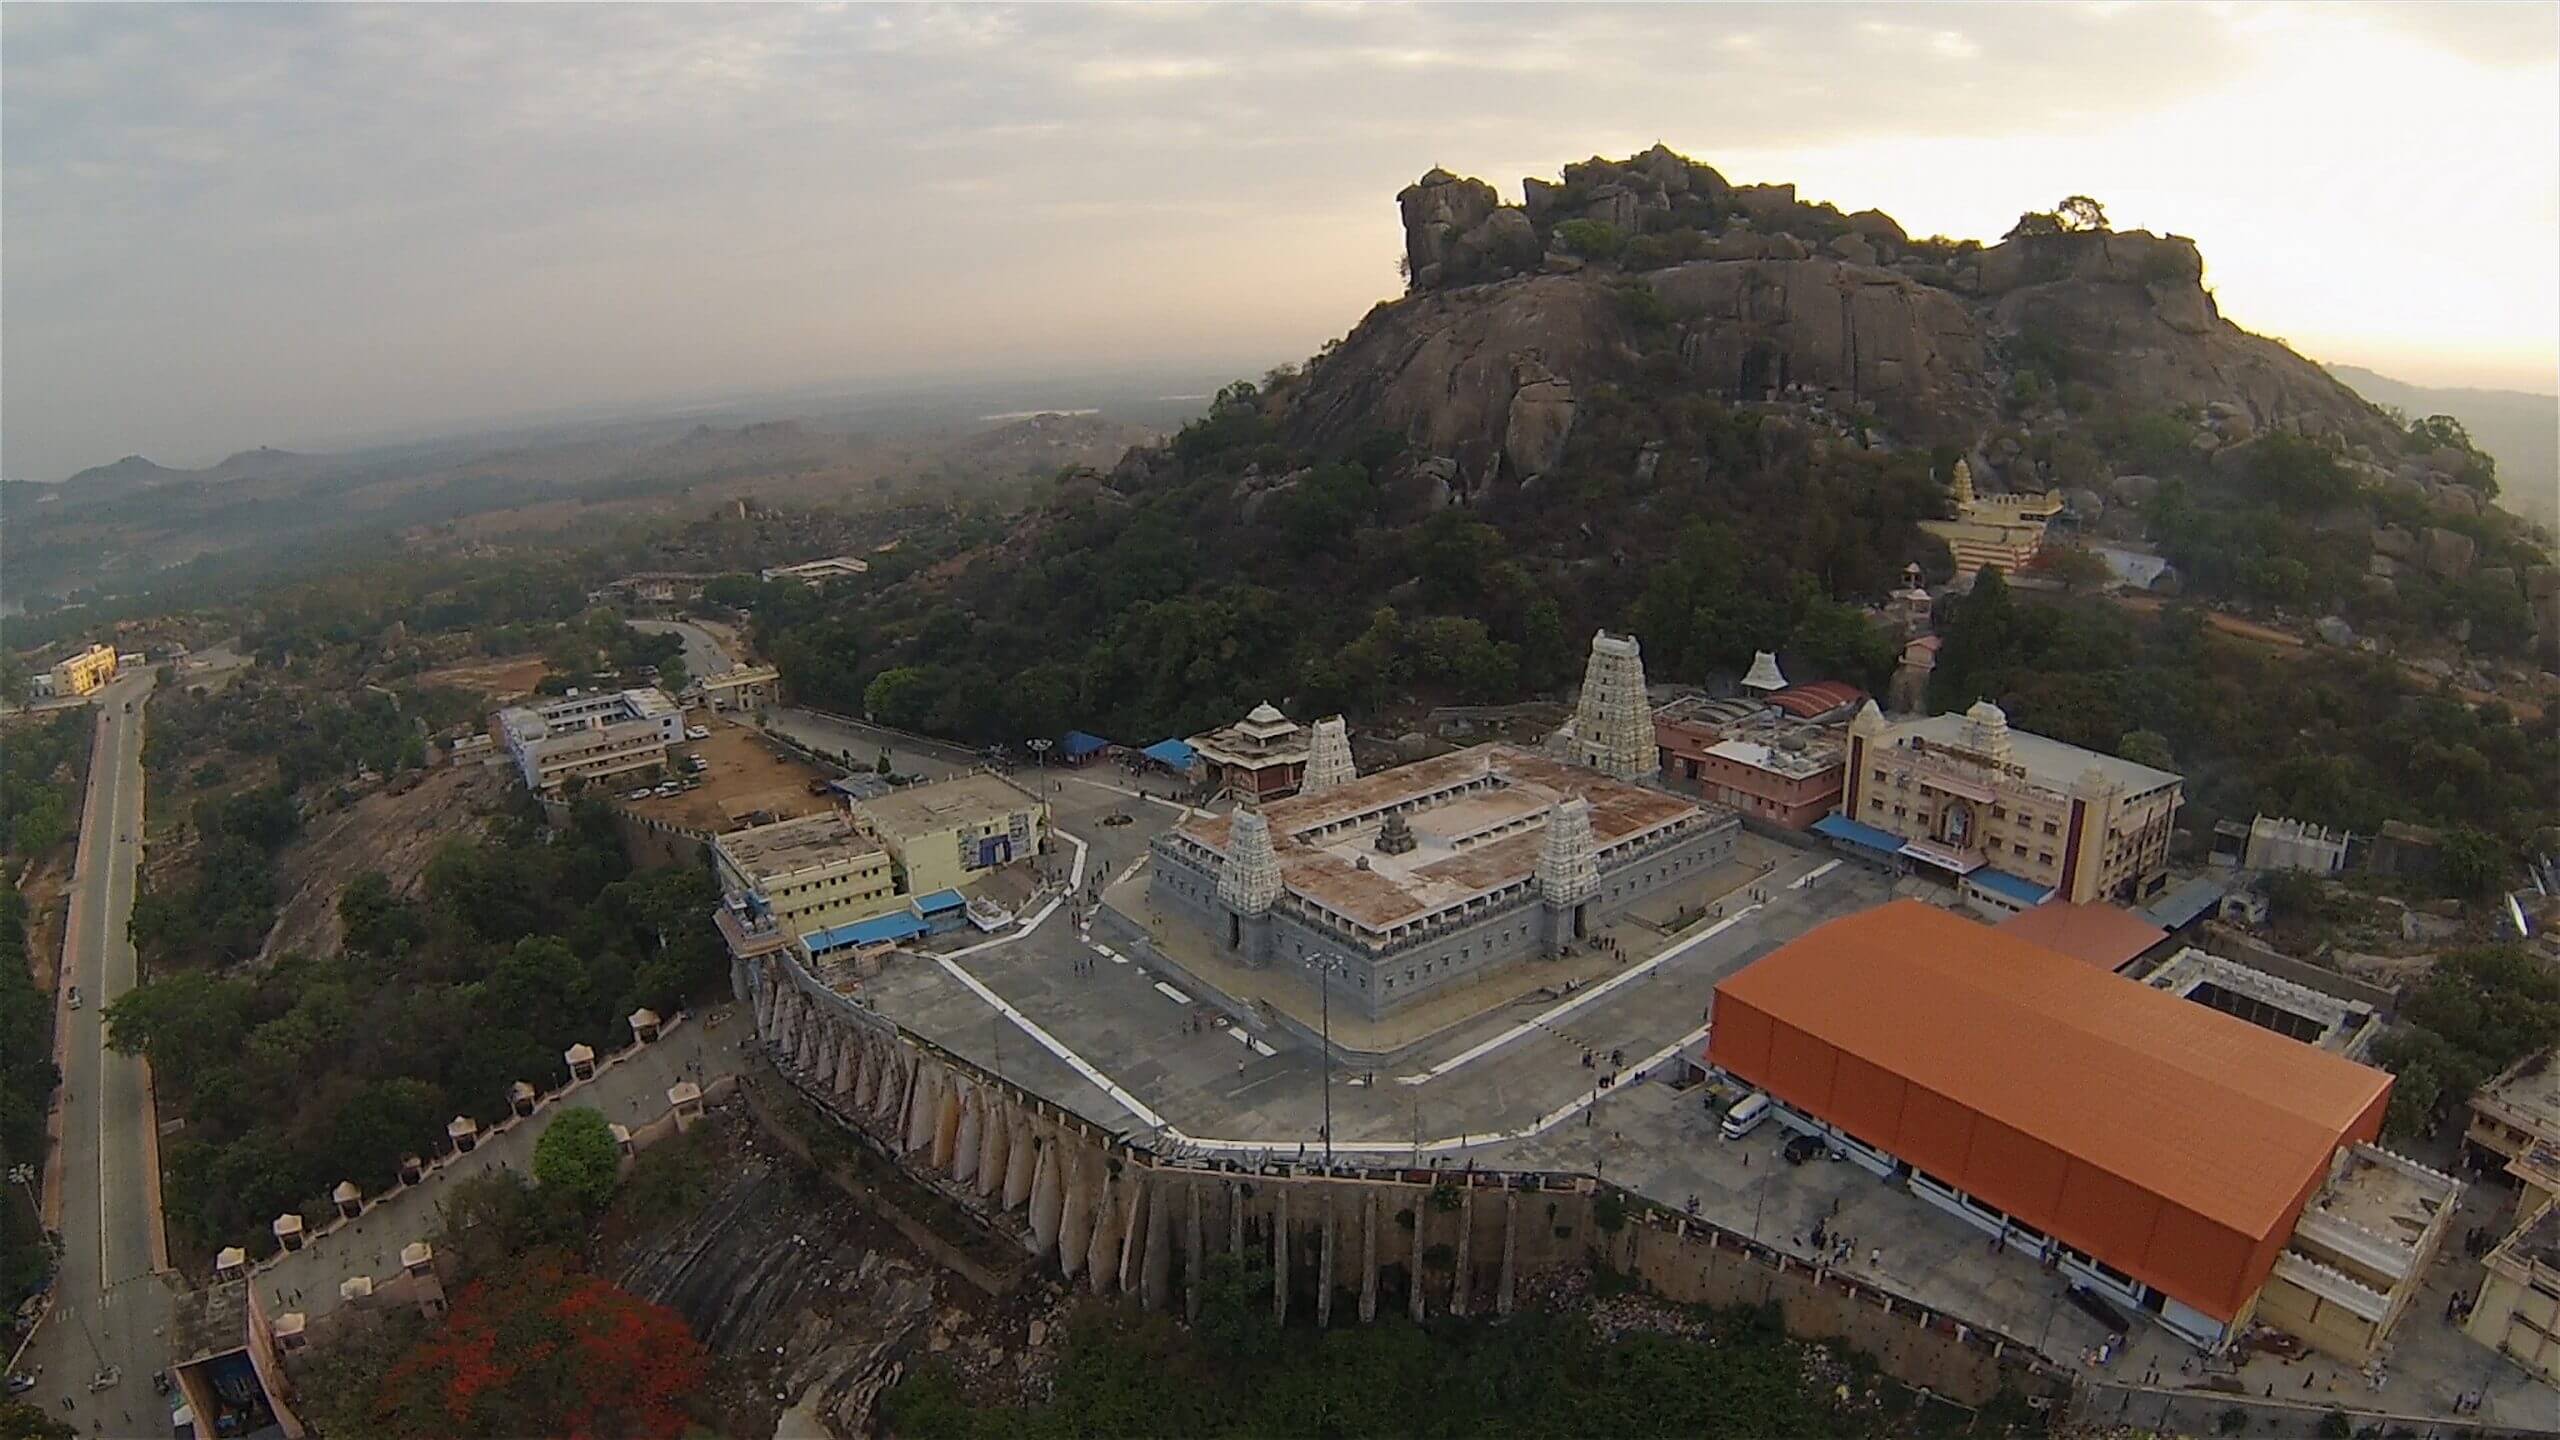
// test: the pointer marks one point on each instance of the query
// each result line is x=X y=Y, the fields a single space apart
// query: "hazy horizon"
x=239 y=225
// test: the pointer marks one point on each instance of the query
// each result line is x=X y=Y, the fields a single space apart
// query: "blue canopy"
x=937 y=902
x=2010 y=887
x=1175 y=754
x=881 y=930
x=1077 y=744
x=1841 y=827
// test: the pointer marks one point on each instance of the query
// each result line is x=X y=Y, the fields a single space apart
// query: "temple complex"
x=1431 y=874
x=2002 y=532
x=1328 y=758
x=1261 y=757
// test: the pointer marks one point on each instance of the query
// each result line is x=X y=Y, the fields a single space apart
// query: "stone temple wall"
x=1141 y=1216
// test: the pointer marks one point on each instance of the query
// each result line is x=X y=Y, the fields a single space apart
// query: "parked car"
x=669 y=788
x=21 y=1383
x=106 y=1379
x=75 y=997
x=1801 y=1148
x=640 y=794
x=696 y=732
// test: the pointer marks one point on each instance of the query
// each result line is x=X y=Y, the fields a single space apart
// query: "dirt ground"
x=498 y=679
x=395 y=834
x=748 y=775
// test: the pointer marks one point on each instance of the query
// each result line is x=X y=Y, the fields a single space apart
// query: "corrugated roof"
x=936 y=901
x=1172 y=752
x=2205 y=1110
x=2107 y=936
x=877 y=931
x=1841 y=827
x=2011 y=887
x=2185 y=903
x=1078 y=744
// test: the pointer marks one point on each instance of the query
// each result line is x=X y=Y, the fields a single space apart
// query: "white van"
x=1746 y=1115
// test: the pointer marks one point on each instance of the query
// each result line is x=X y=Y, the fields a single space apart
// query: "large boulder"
x=1438 y=210
x=1765 y=203
x=1856 y=249
x=1882 y=229
x=2395 y=542
x=1507 y=241
x=2447 y=554
x=1540 y=418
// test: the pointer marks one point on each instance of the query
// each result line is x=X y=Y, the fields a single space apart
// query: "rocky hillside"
x=1751 y=294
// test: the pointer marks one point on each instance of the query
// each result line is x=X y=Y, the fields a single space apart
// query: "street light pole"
x=1326 y=967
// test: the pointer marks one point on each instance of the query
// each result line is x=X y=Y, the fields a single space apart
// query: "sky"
x=225 y=226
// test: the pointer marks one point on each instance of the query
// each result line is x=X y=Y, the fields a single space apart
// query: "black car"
x=1801 y=1148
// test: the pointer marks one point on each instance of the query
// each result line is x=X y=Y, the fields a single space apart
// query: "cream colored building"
x=2518 y=1312
x=2003 y=532
x=591 y=737
x=2518 y=1112
x=2013 y=818
x=2359 y=1253
x=747 y=687
x=807 y=874
x=944 y=834
x=83 y=674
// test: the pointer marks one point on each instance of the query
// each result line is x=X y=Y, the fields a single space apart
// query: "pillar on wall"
x=1155 y=1269
x=849 y=1048
x=412 y=1170
x=521 y=1098
x=866 y=1076
x=1421 y=1233
x=1466 y=1235
x=1324 y=1265
x=1196 y=1260
x=1369 y=1255
x=965 y=1136
x=923 y=1106
x=293 y=1332
x=1133 y=1230
x=348 y=1199
x=1280 y=1254
x=1047 y=1196
x=946 y=1120
x=992 y=1149
x=1102 y=1252
x=644 y=1025
x=464 y=1134
x=230 y=1263
x=1075 y=1210
x=685 y=1099
x=1021 y=1168
x=622 y=1138
x=1510 y=1249
x=582 y=1061
x=356 y=1287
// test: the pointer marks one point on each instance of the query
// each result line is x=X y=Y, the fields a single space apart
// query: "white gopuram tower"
x=1613 y=723
x=1248 y=884
x=1328 y=758
x=1568 y=874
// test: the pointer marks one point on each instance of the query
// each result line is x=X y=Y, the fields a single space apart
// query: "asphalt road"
x=111 y=1306
x=703 y=656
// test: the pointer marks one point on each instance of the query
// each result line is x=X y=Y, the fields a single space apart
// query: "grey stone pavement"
x=703 y=656
x=630 y=1092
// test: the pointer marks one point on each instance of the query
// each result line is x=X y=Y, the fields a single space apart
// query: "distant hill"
x=2521 y=430
x=134 y=474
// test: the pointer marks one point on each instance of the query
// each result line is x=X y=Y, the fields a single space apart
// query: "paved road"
x=703 y=656
x=111 y=1307
x=833 y=737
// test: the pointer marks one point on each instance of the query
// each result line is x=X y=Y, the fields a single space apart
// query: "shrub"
x=1596 y=239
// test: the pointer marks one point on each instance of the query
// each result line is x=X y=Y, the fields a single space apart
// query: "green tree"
x=2470 y=864
x=2147 y=747
x=902 y=697
x=578 y=1159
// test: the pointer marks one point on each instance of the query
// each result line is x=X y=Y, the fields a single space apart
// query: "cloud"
x=236 y=224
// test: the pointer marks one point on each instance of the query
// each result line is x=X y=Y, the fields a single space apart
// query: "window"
x=2052 y=829
x=2044 y=857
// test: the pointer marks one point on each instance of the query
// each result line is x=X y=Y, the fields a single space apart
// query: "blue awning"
x=1841 y=827
x=1176 y=754
x=882 y=930
x=938 y=902
x=1076 y=744
x=2009 y=887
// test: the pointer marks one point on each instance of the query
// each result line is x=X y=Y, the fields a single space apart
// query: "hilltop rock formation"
x=1515 y=310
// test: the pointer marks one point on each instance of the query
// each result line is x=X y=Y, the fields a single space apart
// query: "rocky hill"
x=1749 y=293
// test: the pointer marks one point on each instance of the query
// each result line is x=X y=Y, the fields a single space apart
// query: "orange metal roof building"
x=2108 y=936
x=2171 y=1141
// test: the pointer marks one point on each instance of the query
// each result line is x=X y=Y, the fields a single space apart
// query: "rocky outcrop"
x=1771 y=296
x=1541 y=417
x=2447 y=554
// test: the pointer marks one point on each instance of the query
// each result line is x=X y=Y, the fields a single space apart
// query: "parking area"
x=743 y=775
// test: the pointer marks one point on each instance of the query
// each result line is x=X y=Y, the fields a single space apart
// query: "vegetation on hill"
x=2478 y=1011
x=1236 y=1373
x=27 y=1081
x=329 y=1068
x=43 y=765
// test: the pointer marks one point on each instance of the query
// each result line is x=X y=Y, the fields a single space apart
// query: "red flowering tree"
x=546 y=1350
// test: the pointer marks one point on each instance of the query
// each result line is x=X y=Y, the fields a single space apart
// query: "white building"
x=587 y=737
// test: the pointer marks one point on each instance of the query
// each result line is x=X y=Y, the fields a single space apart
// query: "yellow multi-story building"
x=807 y=874
x=942 y=834
x=2518 y=1312
x=85 y=673
x=2517 y=1113
x=2014 y=819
